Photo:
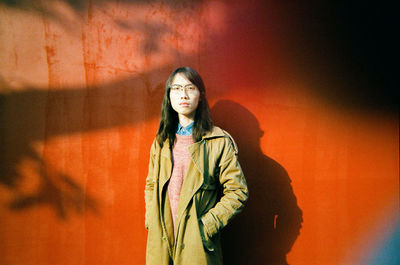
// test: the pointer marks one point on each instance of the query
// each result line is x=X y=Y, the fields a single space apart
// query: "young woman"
x=195 y=185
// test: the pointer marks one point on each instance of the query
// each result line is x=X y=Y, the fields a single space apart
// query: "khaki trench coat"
x=214 y=190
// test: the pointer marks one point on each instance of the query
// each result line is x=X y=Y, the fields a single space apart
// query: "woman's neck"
x=185 y=121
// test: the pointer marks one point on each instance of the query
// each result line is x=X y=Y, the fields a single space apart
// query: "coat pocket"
x=207 y=240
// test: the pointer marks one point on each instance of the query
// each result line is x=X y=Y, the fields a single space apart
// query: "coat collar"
x=215 y=132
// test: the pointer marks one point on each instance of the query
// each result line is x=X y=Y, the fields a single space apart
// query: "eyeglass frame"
x=185 y=88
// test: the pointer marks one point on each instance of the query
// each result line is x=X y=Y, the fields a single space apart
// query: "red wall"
x=81 y=86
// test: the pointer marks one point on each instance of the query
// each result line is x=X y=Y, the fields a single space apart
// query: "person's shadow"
x=271 y=220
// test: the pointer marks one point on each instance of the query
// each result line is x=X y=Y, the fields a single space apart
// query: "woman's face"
x=184 y=96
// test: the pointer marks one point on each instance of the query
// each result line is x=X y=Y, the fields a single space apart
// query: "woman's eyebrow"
x=181 y=85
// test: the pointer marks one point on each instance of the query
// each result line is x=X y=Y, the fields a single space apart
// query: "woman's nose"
x=184 y=93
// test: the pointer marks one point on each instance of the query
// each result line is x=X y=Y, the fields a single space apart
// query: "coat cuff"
x=209 y=225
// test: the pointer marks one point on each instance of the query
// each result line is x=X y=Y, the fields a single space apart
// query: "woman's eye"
x=190 y=87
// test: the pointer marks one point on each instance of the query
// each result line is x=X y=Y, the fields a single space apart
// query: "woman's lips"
x=184 y=104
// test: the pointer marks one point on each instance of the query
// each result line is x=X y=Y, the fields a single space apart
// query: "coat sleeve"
x=235 y=192
x=150 y=180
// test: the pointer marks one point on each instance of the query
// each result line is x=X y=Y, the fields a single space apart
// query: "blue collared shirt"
x=188 y=130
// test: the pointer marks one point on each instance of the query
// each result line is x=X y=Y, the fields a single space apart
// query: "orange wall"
x=81 y=85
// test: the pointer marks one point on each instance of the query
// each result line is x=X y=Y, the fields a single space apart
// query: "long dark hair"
x=169 y=117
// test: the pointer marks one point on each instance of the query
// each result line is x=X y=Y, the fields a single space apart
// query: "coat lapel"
x=165 y=209
x=165 y=166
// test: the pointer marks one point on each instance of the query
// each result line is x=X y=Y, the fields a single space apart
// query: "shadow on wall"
x=266 y=230
x=34 y=115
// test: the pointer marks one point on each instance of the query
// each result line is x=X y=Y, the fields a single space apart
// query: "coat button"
x=182 y=246
x=164 y=238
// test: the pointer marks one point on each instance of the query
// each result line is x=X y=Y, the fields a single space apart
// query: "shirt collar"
x=188 y=130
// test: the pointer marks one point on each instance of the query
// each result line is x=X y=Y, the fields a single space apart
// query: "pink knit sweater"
x=181 y=159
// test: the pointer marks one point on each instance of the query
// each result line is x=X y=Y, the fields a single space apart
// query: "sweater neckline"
x=184 y=138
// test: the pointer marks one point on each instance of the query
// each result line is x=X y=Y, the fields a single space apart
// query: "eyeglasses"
x=190 y=88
